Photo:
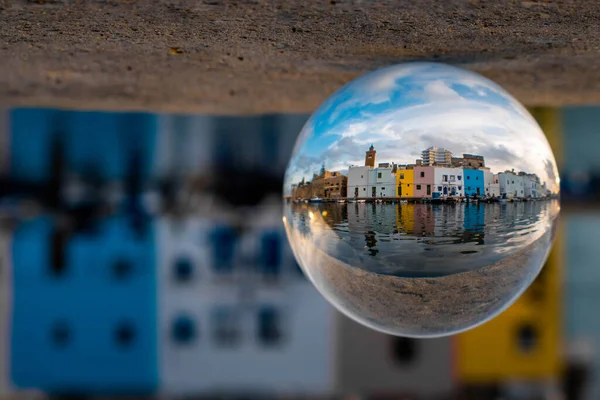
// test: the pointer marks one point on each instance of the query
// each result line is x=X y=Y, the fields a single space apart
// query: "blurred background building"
x=180 y=281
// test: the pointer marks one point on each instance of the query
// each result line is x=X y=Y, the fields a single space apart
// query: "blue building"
x=84 y=301
x=474 y=184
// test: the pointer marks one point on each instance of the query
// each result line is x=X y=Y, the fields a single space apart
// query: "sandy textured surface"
x=232 y=57
x=421 y=306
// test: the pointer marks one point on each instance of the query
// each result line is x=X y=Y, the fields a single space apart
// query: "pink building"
x=424 y=181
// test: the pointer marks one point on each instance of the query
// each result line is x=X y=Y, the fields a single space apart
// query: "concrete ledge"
x=268 y=56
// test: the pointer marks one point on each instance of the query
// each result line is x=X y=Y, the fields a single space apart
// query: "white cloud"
x=464 y=124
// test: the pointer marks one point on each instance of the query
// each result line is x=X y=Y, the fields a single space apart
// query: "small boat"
x=341 y=201
x=403 y=201
x=361 y=201
x=316 y=200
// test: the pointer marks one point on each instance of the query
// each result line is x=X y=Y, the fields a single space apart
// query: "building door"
x=400 y=190
x=355 y=192
x=445 y=190
x=478 y=192
x=373 y=191
x=428 y=190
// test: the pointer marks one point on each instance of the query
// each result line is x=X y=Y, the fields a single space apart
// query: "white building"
x=364 y=181
x=448 y=181
x=358 y=181
x=384 y=184
x=511 y=184
x=436 y=156
x=533 y=187
x=490 y=183
x=392 y=367
x=257 y=326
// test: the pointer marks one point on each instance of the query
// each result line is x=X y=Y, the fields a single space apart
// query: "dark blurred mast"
x=135 y=137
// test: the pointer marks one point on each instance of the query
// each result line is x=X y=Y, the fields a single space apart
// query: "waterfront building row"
x=436 y=175
x=429 y=181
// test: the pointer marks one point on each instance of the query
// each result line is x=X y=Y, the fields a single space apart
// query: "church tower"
x=370 y=157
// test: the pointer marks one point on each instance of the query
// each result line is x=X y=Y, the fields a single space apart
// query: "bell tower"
x=370 y=157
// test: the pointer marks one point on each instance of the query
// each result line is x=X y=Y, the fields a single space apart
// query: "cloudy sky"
x=402 y=110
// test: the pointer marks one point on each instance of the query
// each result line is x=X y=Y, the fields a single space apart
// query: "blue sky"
x=404 y=109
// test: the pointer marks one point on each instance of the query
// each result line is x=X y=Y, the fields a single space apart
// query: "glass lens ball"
x=421 y=199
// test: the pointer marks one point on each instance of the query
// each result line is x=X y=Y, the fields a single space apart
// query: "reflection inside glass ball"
x=422 y=199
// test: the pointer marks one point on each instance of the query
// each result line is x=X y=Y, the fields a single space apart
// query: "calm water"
x=423 y=239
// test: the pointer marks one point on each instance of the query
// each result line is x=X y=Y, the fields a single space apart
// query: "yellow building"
x=524 y=343
x=405 y=179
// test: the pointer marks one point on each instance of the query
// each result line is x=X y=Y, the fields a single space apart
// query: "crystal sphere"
x=421 y=199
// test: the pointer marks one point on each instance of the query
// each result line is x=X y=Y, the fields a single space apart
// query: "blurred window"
x=269 y=329
x=404 y=350
x=270 y=255
x=183 y=269
x=122 y=269
x=223 y=241
x=183 y=330
x=61 y=334
x=527 y=337
x=125 y=335
x=225 y=326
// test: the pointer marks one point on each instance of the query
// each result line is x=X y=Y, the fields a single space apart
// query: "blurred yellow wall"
x=524 y=342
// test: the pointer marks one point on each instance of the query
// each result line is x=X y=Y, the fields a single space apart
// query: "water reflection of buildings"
x=416 y=219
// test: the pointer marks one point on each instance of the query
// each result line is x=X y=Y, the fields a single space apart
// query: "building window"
x=459 y=177
x=513 y=182
x=468 y=177
x=224 y=241
x=270 y=258
x=444 y=178
x=382 y=188
x=183 y=270
x=269 y=330
x=460 y=188
x=476 y=178
x=422 y=174
x=379 y=174
x=418 y=187
x=439 y=188
x=225 y=326
x=364 y=189
x=183 y=330
x=527 y=337
x=452 y=177
x=401 y=176
x=361 y=176
x=408 y=185
x=122 y=269
x=61 y=334
x=124 y=334
x=404 y=350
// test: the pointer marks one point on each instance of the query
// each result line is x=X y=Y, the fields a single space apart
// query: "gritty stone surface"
x=267 y=56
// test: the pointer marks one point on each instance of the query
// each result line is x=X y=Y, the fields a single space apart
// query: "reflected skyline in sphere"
x=422 y=199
